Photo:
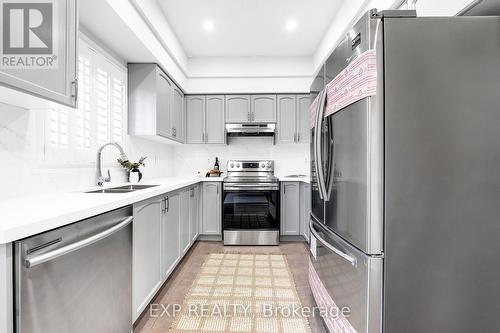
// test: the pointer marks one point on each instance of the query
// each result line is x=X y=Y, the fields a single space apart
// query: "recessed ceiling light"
x=291 y=24
x=208 y=25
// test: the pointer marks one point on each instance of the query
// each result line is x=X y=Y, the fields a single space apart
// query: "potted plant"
x=134 y=175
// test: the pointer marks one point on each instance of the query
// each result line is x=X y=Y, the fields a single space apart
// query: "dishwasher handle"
x=40 y=259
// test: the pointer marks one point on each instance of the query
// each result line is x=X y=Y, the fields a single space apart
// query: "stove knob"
x=238 y=165
x=263 y=166
x=232 y=165
x=269 y=164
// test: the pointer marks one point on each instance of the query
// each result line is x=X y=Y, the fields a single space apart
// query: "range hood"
x=250 y=129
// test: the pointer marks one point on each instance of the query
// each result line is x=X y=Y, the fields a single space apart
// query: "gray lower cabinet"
x=305 y=209
x=205 y=119
x=194 y=212
x=45 y=64
x=237 y=108
x=170 y=232
x=147 y=249
x=184 y=221
x=290 y=209
x=211 y=209
x=293 y=118
x=263 y=108
x=155 y=104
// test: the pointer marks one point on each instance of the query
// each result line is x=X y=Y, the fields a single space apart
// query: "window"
x=73 y=135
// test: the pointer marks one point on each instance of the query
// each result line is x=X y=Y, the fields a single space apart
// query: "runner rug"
x=237 y=293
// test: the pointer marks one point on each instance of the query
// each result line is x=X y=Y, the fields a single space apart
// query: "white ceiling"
x=249 y=27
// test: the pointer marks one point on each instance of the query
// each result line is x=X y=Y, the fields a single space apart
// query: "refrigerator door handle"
x=317 y=137
x=315 y=148
x=330 y=247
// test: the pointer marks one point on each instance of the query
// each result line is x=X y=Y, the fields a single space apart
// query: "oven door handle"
x=250 y=188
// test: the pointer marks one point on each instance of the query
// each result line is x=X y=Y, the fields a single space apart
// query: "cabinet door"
x=170 y=234
x=52 y=48
x=215 y=126
x=290 y=211
x=211 y=215
x=177 y=114
x=193 y=213
x=184 y=221
x=195 y=119
x=305 y=209
x=263 y=108
x=303 y=131
x=163 y=105
x=287 y=120
x=237 y=108
x=147 y=277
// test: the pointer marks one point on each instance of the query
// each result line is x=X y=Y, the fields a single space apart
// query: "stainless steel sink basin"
x=295 y=176
x=121 y=189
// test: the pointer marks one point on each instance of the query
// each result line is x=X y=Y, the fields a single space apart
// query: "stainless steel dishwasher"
x=77 y=278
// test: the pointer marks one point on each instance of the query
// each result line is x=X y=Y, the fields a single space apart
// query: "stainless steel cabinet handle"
x=168 y=203
x=40 y=259
x=341 y=254
x=298 y=137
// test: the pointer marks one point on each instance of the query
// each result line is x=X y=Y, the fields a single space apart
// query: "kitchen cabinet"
x=293 y=118
x=211 y=208
x=178 y=114
x=305 y=209
x=205 y=119
x=170 y=233
x=54 y=77
x=194 y=212
x=147 y=249
x=185 y=237
x=290 y=209
x=155 y=104
x=237 y=108
x=250 y=108
x=263 y=108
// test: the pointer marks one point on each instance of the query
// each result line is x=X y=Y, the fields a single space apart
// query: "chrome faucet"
x=100 y=178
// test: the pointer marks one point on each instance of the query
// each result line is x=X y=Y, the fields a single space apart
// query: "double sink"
x=122 y=189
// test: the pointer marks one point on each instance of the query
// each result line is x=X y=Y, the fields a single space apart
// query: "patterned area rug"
x=237 y=293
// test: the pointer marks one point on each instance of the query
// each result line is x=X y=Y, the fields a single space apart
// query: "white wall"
x=289 y=159
x=24 y=171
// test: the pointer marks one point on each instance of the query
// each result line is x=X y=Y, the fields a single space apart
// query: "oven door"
x=251 y=214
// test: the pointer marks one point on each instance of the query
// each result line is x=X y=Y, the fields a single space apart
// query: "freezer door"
x=354 y=209
x=343 y=277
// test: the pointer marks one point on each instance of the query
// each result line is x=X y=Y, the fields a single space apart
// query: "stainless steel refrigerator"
x=405 y=176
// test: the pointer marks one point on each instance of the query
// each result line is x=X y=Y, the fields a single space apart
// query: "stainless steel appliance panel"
x=77 y=278
x=354 y=208
x=351 y=278
x=442 y=179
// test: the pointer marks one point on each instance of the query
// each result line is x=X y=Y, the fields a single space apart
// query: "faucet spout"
x=100 y=178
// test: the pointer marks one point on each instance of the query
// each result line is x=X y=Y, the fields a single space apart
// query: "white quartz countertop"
x=30 y=215
x=304 y=179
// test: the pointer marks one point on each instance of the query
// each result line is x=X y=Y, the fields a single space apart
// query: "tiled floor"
x=174 y=291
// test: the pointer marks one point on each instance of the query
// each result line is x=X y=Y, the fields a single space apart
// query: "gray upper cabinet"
x=195 y=119
x=178 y=114
x=237 y=108
x=287 y=119
x=303 y=129
x=214 y=120
x=205 y=119
x=155 y=104
x=53 y=76
x=263 y=108
x=290 y=208
x=211 y=211
x=293 y=118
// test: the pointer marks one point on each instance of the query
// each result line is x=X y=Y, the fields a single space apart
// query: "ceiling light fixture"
x=208 y=25
x=291 y=24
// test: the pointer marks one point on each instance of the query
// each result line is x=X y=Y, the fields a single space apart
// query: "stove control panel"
x=242 y=166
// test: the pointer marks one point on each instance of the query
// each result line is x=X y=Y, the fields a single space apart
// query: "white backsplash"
x=23 y=170
x=289 y=159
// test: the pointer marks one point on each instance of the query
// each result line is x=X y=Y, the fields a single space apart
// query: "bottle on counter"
x=216 y=165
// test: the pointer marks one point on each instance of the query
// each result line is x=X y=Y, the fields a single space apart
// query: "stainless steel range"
x=251 y=203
